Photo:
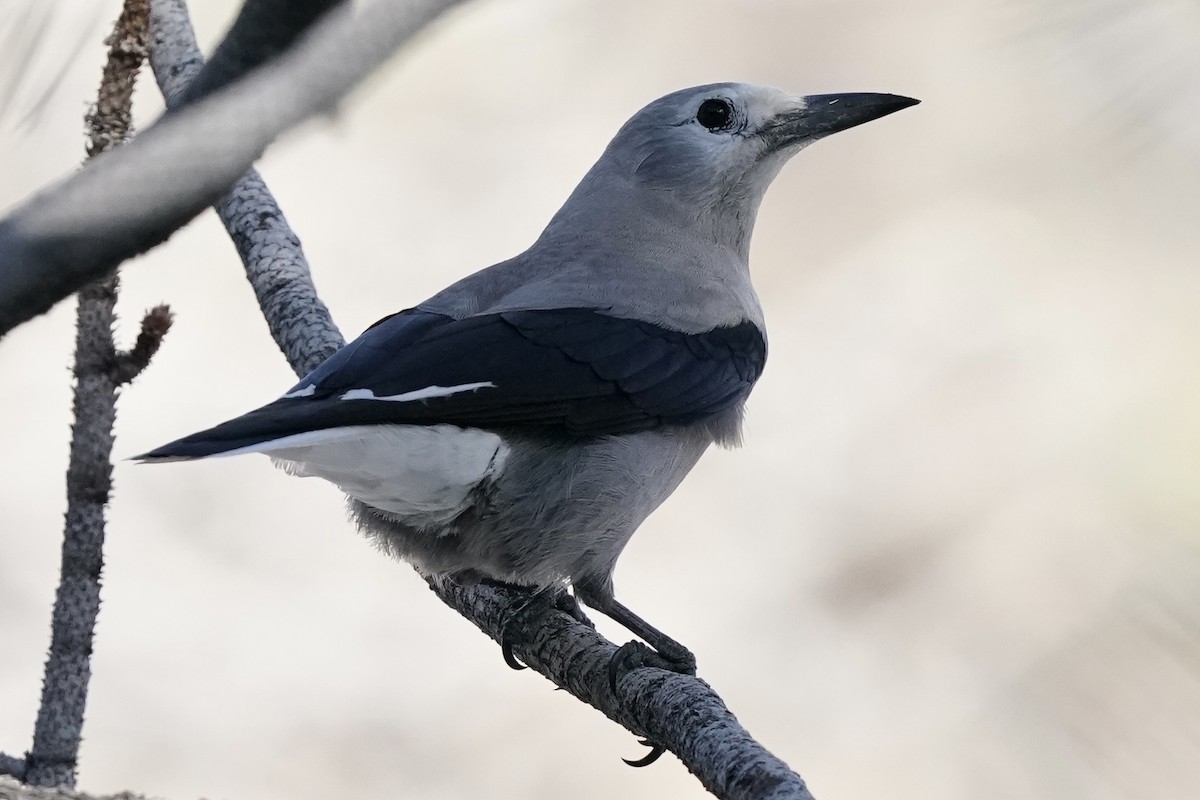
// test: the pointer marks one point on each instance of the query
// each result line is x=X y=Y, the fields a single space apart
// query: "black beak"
x=823 y=114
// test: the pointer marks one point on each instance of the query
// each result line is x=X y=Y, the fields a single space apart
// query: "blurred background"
x=958 y=555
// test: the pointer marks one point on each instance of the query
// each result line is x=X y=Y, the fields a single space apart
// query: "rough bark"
x=11 y=790
x=99 y=372
x=280 y=276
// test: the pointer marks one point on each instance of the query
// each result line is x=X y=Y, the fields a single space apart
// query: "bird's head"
x=708 y=153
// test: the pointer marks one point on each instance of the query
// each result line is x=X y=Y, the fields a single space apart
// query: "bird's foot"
x=635 y=655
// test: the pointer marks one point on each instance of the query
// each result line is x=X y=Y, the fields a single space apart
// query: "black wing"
x=577 y=372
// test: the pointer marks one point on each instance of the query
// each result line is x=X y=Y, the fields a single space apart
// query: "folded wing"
x=577 y=372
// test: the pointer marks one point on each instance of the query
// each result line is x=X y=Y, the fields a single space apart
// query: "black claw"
x=509 y=658
x=534 y=603
x=616 y=666
x=656 y=750
x=523 y=606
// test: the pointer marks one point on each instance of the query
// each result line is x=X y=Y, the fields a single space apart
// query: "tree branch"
x=275 y=263
x=129 y=364
x=99 y=371
x=679 y=712
x=12 y=766
x=133 y=198
x=263 y=29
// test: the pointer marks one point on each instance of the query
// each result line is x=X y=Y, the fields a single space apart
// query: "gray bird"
x=520 y=425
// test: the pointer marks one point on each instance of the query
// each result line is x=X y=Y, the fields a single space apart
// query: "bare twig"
x=297 y=318
x=57 y=732
x=282 y=282
x=99 y=371
x=133 y=198
x=129 y=364
x=679 y=712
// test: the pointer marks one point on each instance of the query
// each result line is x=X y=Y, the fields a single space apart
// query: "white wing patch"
x=417 y=394
x=424 y=474
x=307 y=391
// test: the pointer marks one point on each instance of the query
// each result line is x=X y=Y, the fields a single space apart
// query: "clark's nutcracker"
x=520 y=425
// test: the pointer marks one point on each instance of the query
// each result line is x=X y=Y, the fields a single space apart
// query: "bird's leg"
x=666 y=653
x=565 y=602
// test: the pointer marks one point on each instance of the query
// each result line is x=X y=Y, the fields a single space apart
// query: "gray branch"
x=263 y=29
x=59 y=726
x=275 y=262
x=128 y=200
x=12 y=766
x=679 y=712
x=98 y=374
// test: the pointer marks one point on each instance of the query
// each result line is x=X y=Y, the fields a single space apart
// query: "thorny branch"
x=100 y=370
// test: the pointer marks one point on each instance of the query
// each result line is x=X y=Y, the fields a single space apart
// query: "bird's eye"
x=715 y=114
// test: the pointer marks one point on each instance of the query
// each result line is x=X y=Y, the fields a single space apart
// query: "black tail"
x=274 y=421
x=285 y=417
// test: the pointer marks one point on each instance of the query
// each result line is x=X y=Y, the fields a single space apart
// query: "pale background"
x=957 y=557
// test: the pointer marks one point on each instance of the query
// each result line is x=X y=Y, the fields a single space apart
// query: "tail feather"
x=223 y=439
x=285 y=418
x=238 y=435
